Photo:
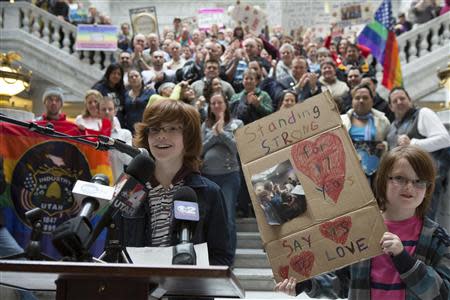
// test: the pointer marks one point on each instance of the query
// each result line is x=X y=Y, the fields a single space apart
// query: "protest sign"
x=210 y=16
x=144 y=20
x=313 y=204
x=77 y=15
x=191 y=22
x=96 y=38
x=252 y=18
x=348 y=14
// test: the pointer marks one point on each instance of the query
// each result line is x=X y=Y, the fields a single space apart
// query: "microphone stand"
x=115 y=252
x=33 y=250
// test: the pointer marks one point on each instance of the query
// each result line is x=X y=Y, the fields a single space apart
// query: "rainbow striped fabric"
x=40 y=172
x=380 y=38
x=96 y=37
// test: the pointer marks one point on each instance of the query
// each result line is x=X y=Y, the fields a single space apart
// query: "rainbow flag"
x=96 y=37
x=40 y=172
x=380 y=38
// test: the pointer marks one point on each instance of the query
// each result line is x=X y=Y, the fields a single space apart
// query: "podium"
x=89 y=281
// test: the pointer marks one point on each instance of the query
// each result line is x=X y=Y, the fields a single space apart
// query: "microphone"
x=94 y=195
x=186 y=213
x=129 y=193
x=69 y=237
x=121 y=146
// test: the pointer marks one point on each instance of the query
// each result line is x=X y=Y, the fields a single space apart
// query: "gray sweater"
x=220 y=151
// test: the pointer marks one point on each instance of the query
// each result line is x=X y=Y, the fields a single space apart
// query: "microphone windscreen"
x=185 y=204
x=185 y=193
x=141 y=167
x=100 y=179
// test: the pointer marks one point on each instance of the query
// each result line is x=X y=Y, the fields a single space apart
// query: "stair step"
x=255 y=279
x=249 y=240
x=246 y=225
x=251 y=258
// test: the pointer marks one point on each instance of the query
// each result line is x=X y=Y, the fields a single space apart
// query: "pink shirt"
x=384 y=277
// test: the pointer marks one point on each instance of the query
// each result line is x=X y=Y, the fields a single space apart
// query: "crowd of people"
x=182 y=96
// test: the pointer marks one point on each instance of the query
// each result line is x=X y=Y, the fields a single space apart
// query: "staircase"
x=46 y=45
x=251 y=264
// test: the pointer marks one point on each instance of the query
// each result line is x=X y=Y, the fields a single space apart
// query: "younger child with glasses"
x=416 y=259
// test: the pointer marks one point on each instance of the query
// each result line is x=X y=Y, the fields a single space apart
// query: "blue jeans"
x=230 y=184
x=9 y=246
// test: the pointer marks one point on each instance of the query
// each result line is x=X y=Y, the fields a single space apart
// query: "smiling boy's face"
x=166 y=142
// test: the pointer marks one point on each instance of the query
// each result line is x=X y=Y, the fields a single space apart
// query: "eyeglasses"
x=169 y=129
x=403 y=181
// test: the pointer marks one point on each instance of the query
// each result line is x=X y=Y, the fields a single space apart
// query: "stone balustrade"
x=51 y=29
x=424 y=38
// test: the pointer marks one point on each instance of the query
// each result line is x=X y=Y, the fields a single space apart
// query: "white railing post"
x=413 y=48
x=401 y=50
x=26 y=20
x=56 y=35
x=66 y=40
x=445 y=38
x=36 y=24
x=423 y=43
x=46 y=31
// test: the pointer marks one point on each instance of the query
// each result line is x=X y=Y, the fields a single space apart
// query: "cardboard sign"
x=349 y=14
x=296 y=15
x=210 y=16
x=313 y=204
x=191 y=22
x=251 y=17
x=327 y=246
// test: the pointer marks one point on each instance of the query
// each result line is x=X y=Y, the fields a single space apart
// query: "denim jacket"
x=211 y=228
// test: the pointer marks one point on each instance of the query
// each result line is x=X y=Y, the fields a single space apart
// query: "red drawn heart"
x=323 y=161
x=337 y=230
x=303 y=263
x=283 y=271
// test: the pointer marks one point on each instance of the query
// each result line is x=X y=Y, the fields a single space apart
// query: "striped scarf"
x=369 y=133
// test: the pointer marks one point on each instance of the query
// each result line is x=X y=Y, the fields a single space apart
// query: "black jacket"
x=211 y=228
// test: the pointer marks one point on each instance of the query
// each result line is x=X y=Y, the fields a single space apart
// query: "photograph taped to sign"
x=279 y=193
